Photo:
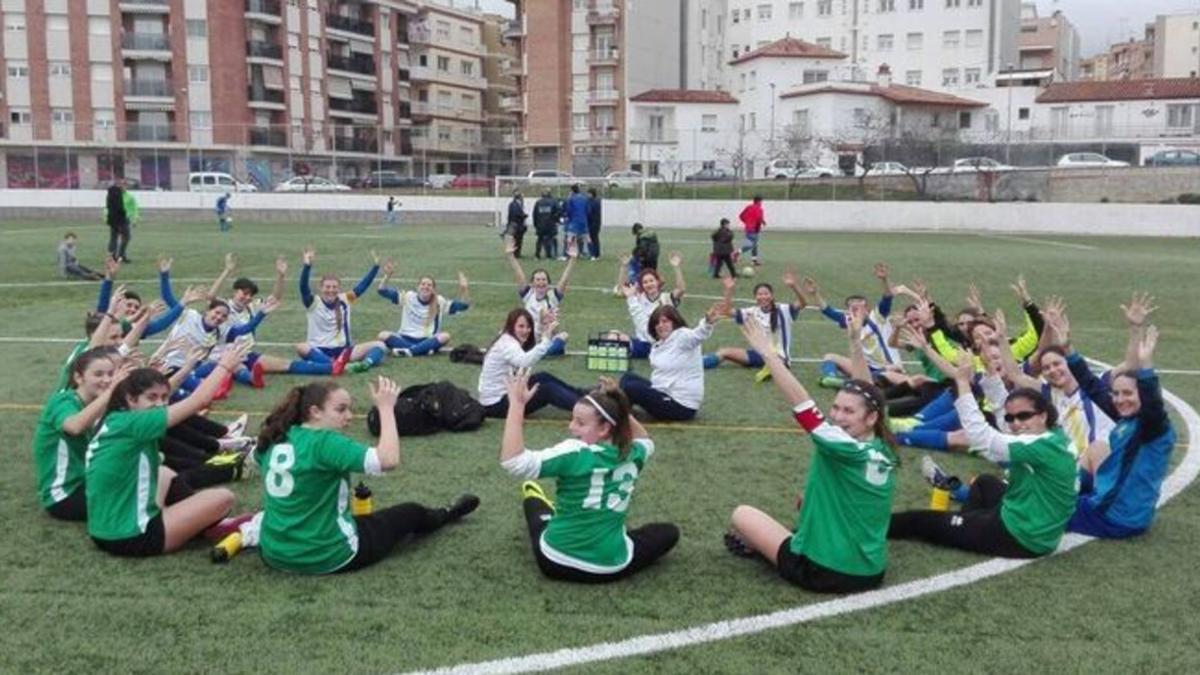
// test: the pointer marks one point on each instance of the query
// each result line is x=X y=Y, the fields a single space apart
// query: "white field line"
x=1047 y=242
x=1183 y=475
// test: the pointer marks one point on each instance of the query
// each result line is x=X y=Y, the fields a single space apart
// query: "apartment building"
x=501 y=105
x=1048 y=43
x=1129 y=60
x=581 y=60
x=1177 y=45
x=938 y=44
x=154 y=89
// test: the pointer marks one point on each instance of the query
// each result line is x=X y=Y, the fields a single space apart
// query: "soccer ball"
x=748 y=271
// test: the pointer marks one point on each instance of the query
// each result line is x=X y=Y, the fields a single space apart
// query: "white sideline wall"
x=1157 y=220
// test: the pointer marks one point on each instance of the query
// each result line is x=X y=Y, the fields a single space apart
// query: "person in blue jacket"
x=133 y=302
x=577 y=221
x=224 y=213
x=1119 y=492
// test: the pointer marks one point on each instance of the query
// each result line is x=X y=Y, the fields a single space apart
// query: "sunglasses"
x=1022 y=416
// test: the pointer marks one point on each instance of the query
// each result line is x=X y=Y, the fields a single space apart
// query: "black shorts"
x=149 y=543
x=73 y=508
x=810 y=576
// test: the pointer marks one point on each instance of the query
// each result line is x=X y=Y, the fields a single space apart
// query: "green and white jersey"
x=1043 y=478
x=58 y=458
x=843 y=522
x=591 y=501
x=122 y=473
x=64 y=373
x=307 y=526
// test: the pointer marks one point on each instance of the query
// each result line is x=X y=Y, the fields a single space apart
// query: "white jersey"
x=875 y=334
x=1081 y=419
x=502 y=358
x=537 y=307
x=196 y=333
x=330 y=326
x=418 y=319
x=237 y=317
x=677 y=364
x=781 y=337
x=641 y=307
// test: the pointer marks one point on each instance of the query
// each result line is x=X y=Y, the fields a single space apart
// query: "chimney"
x=884 y=76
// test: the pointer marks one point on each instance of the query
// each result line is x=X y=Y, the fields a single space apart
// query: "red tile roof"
x=683 y=96
x=896 y=93
x=1121 y=90
x=790 y=48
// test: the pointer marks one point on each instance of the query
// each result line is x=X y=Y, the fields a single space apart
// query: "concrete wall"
x=1163 y=220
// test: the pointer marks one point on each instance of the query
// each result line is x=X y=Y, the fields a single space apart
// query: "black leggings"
x=379 y=532
x=977 y=527
x=904 y=401
x=727 y=260
x=550 y=391
x=73 y=508
x=118 y=239
x=650 y=542
x=659 y=404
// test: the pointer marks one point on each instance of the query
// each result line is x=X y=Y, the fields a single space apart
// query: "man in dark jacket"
x=515 y=226
x=546 y=213
x=593 y=221
x=117 y=220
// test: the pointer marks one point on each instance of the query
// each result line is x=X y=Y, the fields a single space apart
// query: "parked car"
x=310 y=184
x=216 y=181
x=1174 y=158
x=440 y=181
x=470 y=180
x=969 y=164
x=1088 y=159
x=629 y=179
x=804 y=170
x=710 y=175
x=391 y=179
x=780 y=169
x=888 y=169
x=550 y=177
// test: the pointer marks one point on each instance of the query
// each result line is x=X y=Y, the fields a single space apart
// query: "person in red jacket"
x=753 y=221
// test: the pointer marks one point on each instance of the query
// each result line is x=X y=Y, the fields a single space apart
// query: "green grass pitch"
x=472 y=592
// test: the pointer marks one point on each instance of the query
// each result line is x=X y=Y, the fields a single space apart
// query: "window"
x=708 y=123
x=1104 y=120
x=742 y=82
x=736 y=16
x=735 y=52
x=443 y=64
x=887 y=6
x=950 y=4
x=1059 y=119
x=746 y=14
x=974 y=39
x=764 y=12
x=950 y=39
x=57 y=22
x=442 y=30
x=915 y=41
x=753 y=80
x=964 y=120
x=104 y=118
x=813 y=76
x=1180 y=115
x=18 y=69
x=795 y=10
x=197 y=73
x=991 y=120
x=197 y=28
x=916 y=5
x=579 y=121
x=753 y=121
x=800 y=122
x=912 y=78
x=974 y=3
x=885 y=41
x=466 y=35
x=99 y=25
x=971 y=76
x=950 y=77
x=20 y=116
x=825 y=42
x=824 y=7
x=1022 y=113
x=60 y=69
x=935 y=120
x=62 y=116
x=14 y=21
x=860 y=117
x=468 y=68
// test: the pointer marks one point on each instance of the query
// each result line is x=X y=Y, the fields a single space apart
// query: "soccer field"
x=471 y=593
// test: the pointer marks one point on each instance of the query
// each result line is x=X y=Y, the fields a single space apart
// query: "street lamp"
x=1008 y=134
x=772 y=135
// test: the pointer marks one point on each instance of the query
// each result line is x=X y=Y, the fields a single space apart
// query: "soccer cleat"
x=465 y=504
x=831 y=382
x=531 y=489
x=762 y=375
x=358 y=367
x=238 y=427
x=738 y=546
x=933 y=474
x=339 y=364
x=402 y=352
x=227 y=548
x=237 y=443
x=227 y=526
x=256 y=375
x=901 y=424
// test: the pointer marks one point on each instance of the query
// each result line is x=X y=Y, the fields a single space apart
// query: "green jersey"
x=843 y=522
x=592 y=497
x=58 y=457
x=307 y=526
x=64 y=373
x=1043 y=482
x=122 y=473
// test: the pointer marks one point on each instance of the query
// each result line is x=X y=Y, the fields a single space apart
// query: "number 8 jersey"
x=591 y=502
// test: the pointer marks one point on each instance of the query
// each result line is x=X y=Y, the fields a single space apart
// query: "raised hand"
x=1021 y=290
x=625 y=258
x=510 y=245
x=281 y=265
x=1146 y=346
x=756 y=337
x=676 y=259
x=1140 y=307
x=164 y=263
x=519 y=391
x=462 y=280
x=230 y=263
x=920 y=288
x=196 y=354
x=715 y=312
x=232 y=356
x=854 y=323
x=1001 y=325
x=964 y=367
x=117 y=300
x=790 y=279
x=193 y=294
x=388 y=268
x=809 y=287
x=974 y=299
x=728 y=283
x=156 y=307
x=269 y=305
x=374 y=257
x=881 y=271
x=111 y=267
x=384 y=392
x=308 y=255
x=913 y=339
x=573 y=248
x=629 y=290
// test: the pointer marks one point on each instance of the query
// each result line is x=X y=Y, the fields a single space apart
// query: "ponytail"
x=291 y=411
x=613 y=404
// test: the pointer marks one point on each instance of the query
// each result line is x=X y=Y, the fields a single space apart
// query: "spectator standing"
x=546 y=213
x=594 y=221
x=515 y=226
x=224 y=213
x=753 y=221
x=117 y=220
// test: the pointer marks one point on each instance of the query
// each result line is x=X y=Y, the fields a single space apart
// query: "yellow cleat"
x=531 y=489
x=762 y=375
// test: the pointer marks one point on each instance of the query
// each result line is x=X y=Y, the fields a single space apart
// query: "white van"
x=215 y=181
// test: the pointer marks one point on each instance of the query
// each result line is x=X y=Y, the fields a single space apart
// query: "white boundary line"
x=1180 y=478
x=1031 y=240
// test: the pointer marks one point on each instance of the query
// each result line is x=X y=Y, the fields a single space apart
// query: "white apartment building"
x=674 y=133
x=937 y=44
x=1177 y=45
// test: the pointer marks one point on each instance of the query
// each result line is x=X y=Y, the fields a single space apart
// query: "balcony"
x=136 y=88
x=427 y=74
x=419 y=35
x=146 y=45
x=349 y=25
x=270 y=137
x=149 y=132
x=655 y=135
x=604 y=97
x=144 y=6
x=607 y=136
x=448 y=145
x=267 y=11
x=259 y=49
x=511 y=103
x=425 y=109
x=604 y=57
x=514 y=29
x=258 y=94
x=604 y=16
x=346 y=144
x=362 y=64
x=357 y=106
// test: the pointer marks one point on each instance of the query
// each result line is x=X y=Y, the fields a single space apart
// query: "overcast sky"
x=1100 y=22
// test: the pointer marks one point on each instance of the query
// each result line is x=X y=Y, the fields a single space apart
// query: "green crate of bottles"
x=608 y=354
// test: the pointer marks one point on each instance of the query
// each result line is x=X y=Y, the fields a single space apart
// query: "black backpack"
x=467 y=354
x=424 y=409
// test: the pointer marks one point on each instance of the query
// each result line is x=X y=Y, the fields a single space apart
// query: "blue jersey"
x=577 y=212
x=222 y=205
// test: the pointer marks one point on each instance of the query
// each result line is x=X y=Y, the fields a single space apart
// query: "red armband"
x=808 y=416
